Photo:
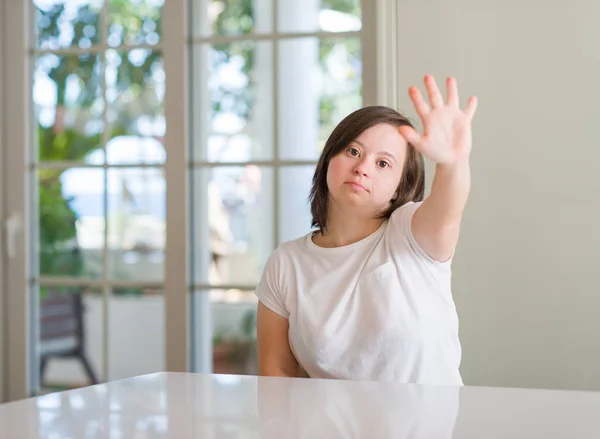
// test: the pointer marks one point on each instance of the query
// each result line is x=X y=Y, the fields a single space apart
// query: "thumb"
x=411 y=136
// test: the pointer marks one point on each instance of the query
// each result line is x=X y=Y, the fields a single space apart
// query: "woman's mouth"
x=356 y=186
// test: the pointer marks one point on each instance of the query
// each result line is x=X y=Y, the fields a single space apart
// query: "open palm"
x=446 y=137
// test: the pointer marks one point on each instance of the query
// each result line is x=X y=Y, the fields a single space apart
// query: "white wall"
x=526 y=279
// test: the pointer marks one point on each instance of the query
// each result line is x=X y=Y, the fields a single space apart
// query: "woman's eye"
x=353 y=151
x=383 y=164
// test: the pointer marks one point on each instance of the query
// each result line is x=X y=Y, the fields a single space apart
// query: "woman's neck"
x=344 y=228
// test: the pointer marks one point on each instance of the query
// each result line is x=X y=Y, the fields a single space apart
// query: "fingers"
x=452 y=92
x=410 y=135
x=435 y=97
x=471 y=106
x=417 y=98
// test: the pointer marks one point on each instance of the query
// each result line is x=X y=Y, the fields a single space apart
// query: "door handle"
x=12 y=227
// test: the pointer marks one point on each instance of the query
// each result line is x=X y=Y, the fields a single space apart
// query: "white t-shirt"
x=379 y=309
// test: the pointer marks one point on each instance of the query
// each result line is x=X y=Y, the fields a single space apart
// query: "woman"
x=367 y=296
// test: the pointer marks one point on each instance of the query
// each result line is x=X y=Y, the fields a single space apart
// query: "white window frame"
x=15 y=141
x=178 y=247
x=379 y=87
x=2 y=278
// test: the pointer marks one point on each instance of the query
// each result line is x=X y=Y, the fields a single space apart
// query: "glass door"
x=159 y=152
x=270 y=79
x=88 y=205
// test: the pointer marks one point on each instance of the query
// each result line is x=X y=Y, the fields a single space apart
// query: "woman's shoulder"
x=401 y=218
x=274 y=286
x=289 y=250
x=406 y=210
x=400 y=234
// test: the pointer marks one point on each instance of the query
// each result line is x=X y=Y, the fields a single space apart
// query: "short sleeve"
x=269 y=290
x=400 y=226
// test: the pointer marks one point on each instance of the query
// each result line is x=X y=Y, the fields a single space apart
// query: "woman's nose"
x=361 y=168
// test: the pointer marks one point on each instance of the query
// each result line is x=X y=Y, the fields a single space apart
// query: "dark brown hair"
x=412 y=182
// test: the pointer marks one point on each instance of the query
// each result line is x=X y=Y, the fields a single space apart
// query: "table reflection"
x=304 y=408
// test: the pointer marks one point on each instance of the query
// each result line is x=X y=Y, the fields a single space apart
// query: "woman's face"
x=366 y=173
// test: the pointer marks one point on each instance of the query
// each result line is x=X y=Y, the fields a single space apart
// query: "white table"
x=179 y=405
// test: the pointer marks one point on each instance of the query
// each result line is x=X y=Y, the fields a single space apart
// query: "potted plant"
x=237 y=354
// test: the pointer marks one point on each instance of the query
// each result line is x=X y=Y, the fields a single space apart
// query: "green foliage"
x=248 y=324
x=130 y=22
x=236 y=17
x=134 y=22
x=57 y=226
x=68 y=144
x=347 y=6
x=58 y=249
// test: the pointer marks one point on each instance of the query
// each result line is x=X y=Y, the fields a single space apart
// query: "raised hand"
x=446 y=137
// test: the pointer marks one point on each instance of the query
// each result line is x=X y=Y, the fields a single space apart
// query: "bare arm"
x=436 y=223
x=275 y=357
x=447 y=142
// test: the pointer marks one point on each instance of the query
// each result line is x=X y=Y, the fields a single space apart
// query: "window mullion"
x=176 y=142
x=105 y=288
x=275 y=94
x=17 y=201
x=226 y=39
x=3 y=381
x=95 y=49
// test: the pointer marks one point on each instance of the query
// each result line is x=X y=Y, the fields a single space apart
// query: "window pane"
x=136 y=332
x=232 y=224
x=68 y=107
x=233 y=100
x=68 y=319
x=135 y=22
x=319 y=15
x=135 y=89
x=320 y=82
x=71 y=221
x=224 y=331
x=294 y=209
x=136 y=224
x=231 y=17
x=64 y=23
